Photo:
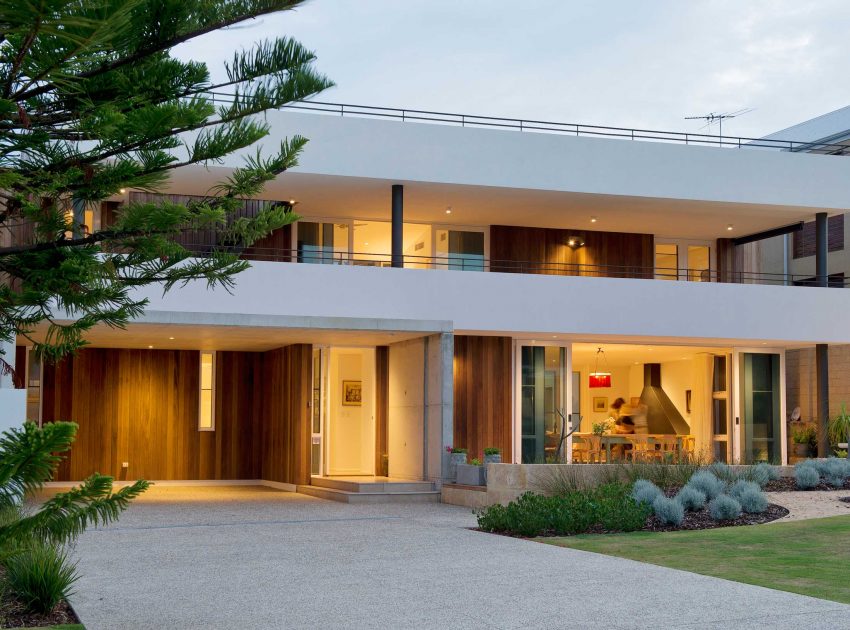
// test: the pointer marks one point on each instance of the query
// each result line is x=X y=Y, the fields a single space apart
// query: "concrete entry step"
x=371 y=484
x=389 y=493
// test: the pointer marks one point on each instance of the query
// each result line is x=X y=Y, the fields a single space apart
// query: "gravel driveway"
x=251 y=557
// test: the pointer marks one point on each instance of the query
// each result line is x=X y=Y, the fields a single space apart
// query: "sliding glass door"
x=760 y=407
x=543 y=403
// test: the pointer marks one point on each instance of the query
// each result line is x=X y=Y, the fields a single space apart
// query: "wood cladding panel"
x=382 y=395
x=546 y=251
x=141 y=407
x=286 y=414
x=482 y=394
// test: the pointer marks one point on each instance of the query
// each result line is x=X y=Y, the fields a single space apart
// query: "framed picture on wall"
x=600 y=404
x=688 y=401
x=352 y=393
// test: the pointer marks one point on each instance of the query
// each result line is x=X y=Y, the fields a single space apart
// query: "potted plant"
x=839 y=430
x=805 y=440
x=457 y=456
x=600 y=428
x=492 y=455
x=471 y=474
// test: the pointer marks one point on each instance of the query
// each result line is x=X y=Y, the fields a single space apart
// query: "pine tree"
x=92 y=102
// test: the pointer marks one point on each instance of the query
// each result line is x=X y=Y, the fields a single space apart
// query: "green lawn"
x=806 y=557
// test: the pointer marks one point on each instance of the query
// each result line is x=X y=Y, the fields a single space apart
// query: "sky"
x=624 y=63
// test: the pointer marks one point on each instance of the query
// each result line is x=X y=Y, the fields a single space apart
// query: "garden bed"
x=788 y=484
x=701 y=519
x=13 y=614
x=697 y=520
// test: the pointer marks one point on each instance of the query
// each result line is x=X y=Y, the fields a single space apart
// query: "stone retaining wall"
x=505 y=482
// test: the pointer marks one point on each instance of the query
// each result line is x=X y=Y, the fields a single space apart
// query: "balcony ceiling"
x=365 y=198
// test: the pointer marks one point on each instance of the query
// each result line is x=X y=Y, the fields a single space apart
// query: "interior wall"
x=351 y=430
x=141 y=407
x=406 y=405
x=627 y=382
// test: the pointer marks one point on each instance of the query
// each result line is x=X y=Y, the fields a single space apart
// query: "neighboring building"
x=524 y=253
x=794 y=254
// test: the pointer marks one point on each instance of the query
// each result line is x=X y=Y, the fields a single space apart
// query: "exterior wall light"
x=574 y=242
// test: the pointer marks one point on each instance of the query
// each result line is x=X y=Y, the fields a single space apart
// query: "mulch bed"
x=13 y=614
x=702 y=520
x=787 y=484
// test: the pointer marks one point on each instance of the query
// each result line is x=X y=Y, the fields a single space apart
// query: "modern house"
x=465 y=281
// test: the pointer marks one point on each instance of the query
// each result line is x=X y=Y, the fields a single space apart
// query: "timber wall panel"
x=382 y=394
x=545 y=250
x=286 y=416
x=482 y=394
x=141 y=407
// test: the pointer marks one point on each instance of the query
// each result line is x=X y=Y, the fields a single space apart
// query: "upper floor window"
x=804 y=240
x=206 y=398
x=666 y=261
x=460 y=249
x=683 y=261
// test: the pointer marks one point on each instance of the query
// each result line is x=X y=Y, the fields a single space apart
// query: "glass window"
x=206 y=411
x=322 y=243
x=543 y=405
x=699 y=263
x=460 y=249
x=666 y=261
x=33 y=370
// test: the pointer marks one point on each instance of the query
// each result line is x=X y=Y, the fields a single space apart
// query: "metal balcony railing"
x=543 y=126
x=479 y=263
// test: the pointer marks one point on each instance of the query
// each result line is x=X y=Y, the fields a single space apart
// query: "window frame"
x=201 y=390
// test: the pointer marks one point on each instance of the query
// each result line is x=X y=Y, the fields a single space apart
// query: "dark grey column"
x=822 y=349
x=397 y=226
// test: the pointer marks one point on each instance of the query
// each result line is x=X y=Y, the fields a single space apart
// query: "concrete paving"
x=251 y=557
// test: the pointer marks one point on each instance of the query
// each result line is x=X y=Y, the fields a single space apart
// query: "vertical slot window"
x=206 y=412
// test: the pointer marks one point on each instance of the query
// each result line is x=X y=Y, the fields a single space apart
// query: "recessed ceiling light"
x=150 y=347
x=730 y=227
x=292 y=202
x=122 y=190
x=365 y=243
x=171 y=338
x=593 y=219
x=449 y=210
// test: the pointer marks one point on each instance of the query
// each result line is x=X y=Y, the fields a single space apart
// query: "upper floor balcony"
x=532 y=197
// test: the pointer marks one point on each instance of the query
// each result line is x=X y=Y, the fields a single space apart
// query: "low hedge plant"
x=608 y=507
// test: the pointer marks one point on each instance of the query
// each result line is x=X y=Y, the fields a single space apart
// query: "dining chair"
x=594 y=451
x=669 y=448
x=689 y=446
x=643 y=449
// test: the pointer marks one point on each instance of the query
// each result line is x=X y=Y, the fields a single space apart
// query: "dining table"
x=610 y=439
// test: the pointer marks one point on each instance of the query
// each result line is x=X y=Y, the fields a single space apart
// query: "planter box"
x=469 y=475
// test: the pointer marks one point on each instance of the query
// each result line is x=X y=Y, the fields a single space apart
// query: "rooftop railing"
x=481 y=264
x=543 y=126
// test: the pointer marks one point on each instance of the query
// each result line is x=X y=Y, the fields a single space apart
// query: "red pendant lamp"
x=599 y=379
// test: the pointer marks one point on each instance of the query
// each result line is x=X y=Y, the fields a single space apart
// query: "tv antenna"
x=713 y=117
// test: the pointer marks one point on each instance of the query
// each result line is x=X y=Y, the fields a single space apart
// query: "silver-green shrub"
x=669 y=511
x=762 y=473
x=835 y=467
x=752 y=499
x=645 y=492
x=741 y=486
x=707 y=483
x=806 y=476
x=835 y=481
x=721 y=471
x=724 y=508
x=691 y=498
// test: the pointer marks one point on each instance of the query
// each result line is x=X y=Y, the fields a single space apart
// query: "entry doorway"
x=343 y=439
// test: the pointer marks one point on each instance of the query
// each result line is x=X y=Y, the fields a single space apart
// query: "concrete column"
x=822 y=349
x=447 y=354
x=7 y=354
x=397 y=225
x=13 y=402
